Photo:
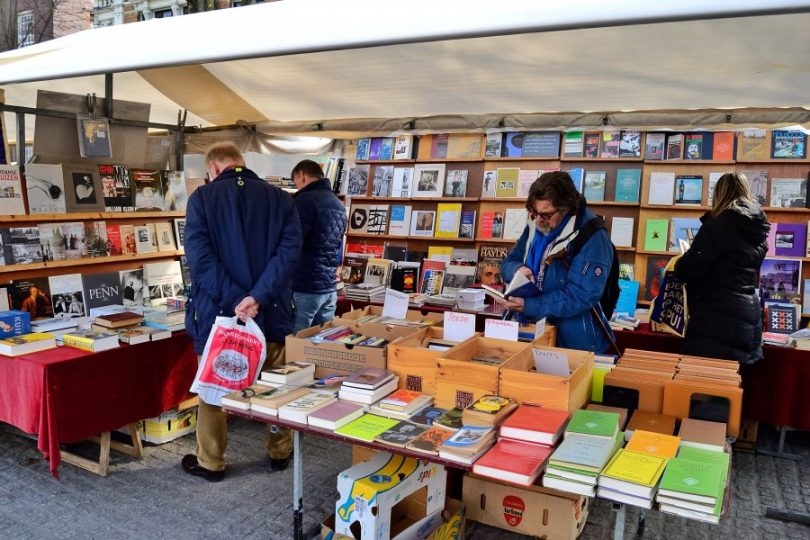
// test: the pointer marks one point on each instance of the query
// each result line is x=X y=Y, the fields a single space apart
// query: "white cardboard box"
x=374 y=496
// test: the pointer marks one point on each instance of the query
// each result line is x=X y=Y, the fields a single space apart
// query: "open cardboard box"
x=332 y=357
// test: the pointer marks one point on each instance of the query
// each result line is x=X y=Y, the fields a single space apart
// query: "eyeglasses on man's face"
x=543 y=216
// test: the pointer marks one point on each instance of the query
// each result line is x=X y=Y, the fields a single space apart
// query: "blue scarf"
x=539 y=244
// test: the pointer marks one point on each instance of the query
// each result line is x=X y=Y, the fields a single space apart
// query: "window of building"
x=25 y=28
x=162 y=13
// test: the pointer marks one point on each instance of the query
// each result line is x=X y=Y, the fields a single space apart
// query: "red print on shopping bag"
x=231 y=360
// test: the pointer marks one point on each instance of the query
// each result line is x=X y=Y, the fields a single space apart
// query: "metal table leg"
x=298 y=486
x=618 y=525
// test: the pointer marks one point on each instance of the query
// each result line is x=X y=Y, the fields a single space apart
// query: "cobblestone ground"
x=153 y=498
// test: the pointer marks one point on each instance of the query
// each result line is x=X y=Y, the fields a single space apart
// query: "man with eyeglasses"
x=570 y=286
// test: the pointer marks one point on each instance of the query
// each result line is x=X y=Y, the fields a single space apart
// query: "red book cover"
x=432 y=277
x=535 y=424
x=487 y=223
x=513 y=461
x=723 y=146
x=114 y=238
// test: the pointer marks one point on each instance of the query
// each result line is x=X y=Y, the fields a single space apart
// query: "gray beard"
x=545 y=229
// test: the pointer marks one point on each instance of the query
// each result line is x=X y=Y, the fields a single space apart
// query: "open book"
x=519 y=286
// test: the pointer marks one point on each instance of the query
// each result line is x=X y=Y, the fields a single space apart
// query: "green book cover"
x=590 y=422
x=628 y=182
x=655 y=234
x=692 y=480
x=582 y=453
x=595 y=186
x=367 y=428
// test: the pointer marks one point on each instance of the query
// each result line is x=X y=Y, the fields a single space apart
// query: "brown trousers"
x=212 y=426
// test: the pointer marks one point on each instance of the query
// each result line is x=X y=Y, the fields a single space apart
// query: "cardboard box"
x=169 y=426
x=418 y=318
x=460 y=380
x=390 y=496
x=330 y=357
x=14 y=322
x=533 y=510
x=415 y=364
x=452 y=527
x=519 y=381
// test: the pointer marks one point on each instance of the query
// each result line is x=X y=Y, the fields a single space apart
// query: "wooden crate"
x=519 y=381
x=415 y=364
x=547 y=339
x=460 y=380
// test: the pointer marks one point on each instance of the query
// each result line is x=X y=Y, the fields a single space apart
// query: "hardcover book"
x=102 y=289
x=753 y=145
x=67 y=295
x=531 y=423
x=83 y=190
x=374 y=149
x=90 y=340
x=448 y=218
x=693 y=146
x=595 y=185
x=336 y=414
x=467 y=225
x=507 y=182
x=147 y=190
x=164 y=279
x=402 y=182
x=757 y=184
x=526 y=178
x=298 y=409
x=630 y=144
x=403 y=147
x=382 y=182
x=386 y=148
x=489 y=184
x=165 y=236
x=369 y=378
x=175 y=195
x=518 y=462
x=790 y=240
x=688 y=189
x=116 y=185
x=134 y=336
x=703 y=434
x=683 y=229
x=358 y=180
x=45 y=187
x=27 y=343
x=119 y=319
x=21 y=245
x=787 y=144
x=788 y=192
x=675 y=146
x=432 y=277
x=428 y=180
x=134 y=291
x=377 y=222
x=456 y=183
x=422 y=222
x=514 y=223
x=662 y=187
x=240 y=399
x=290 y=373
x=362 y=149
x=654 y=147
x=32 y=296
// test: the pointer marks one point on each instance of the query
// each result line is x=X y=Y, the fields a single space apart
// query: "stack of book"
x=488 y=411
x=467 y=444
x=263 y=399
x=620 y=321
x=301 y=373
x=402 y=404
x=590 y=439
x=703 y=434
x=363 y=291
x=517 y=462
x=27 y=343
x=650 y=421
x=160 y=318
x=693 y=484
x=631 y=478
x=471 y=299
x=632 y=475
x=336 y=414
x=300 y=408
x=531 y=423
x=119 y=319
x=90 y=340
x=344 y=334
x=444 y=300
x=368 y=385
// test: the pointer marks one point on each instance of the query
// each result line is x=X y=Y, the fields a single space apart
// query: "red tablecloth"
x=773 y=388
x=64 y=395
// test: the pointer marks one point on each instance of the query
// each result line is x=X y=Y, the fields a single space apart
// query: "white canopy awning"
x=298 y=66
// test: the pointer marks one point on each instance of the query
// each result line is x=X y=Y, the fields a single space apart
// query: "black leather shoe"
x=192 y=467
x=280 y=464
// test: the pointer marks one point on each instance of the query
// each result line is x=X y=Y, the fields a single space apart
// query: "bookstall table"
x=298 y=430
x=64 y=395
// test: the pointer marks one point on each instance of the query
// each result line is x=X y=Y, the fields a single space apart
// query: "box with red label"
x=533 y=510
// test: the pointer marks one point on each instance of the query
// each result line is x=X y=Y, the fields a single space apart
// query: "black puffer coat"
x=323 y=222
x=721 y=270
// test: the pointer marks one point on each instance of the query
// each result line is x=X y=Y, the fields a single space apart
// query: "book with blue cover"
x=628 y=182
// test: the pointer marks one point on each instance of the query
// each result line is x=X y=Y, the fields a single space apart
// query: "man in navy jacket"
x=323 y=223
x=242 y=242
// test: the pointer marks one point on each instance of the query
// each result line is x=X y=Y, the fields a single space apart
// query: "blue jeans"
x=313 y=309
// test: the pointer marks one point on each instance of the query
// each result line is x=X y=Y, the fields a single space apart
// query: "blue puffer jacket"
x=323 y=222
x=242 y=237
x=568 y=295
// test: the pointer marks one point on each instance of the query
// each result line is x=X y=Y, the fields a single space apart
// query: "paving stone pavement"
x=154 y=498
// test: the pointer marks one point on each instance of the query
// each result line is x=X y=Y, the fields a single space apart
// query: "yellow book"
x=440 y=253
x=634 y=468
x=650 y=442
x=90 y=340
x=448 y=219
x=507 y=182
x=27 y=343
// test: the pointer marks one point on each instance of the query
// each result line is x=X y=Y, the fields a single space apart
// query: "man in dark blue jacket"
x=242 y=241
x=323 y=223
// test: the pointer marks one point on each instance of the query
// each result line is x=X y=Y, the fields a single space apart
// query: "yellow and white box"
x=170 y=425
x=390 y=496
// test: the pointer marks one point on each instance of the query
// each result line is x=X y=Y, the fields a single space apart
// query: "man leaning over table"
x=242 y=241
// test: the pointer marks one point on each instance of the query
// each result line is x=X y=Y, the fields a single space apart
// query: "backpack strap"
x=573 y=247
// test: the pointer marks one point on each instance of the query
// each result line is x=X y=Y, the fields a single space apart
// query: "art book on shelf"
x=21 y=245
x=32 y=295
x=357 y=180
x=693 y=146
x=722 y=146
x=45 y=187
x=786 y=144
x=594 y=189
x=402 y=182
x=83 y=190
x=102 y=289
x=383 y=178
x=423 y=222
x=507 y=181
x=456 y=183
x=467 y=224
x=514 y=223
x=164 y=279
x=67 y=295
x=175 y=195
x=662 y=188
x=591 y=143
x=655 y=144
x=448 y=218
x=116 y=185
x=147 y=190
x=688 y=189
x=790 y=239
x=675 y=146
x=428 y=180
x=493 y=144
x=512 y=144
x=403 y=147
x=630 y=143
x=526 y=178
x=788 y=193
x=432 y=277
x=573 y=143
x=655 y=234
x=544 y=144
x=610 y=143
x=489 y=184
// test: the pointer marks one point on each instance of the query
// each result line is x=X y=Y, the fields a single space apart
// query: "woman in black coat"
x=721 y=270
